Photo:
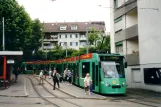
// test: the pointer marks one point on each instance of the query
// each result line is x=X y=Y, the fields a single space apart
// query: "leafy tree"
x=21 y=33
x=106 y=44
x=36 y=39
x=17 y=25
x=93 y=37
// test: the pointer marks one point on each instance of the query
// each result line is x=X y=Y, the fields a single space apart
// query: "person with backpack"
x=55 y=76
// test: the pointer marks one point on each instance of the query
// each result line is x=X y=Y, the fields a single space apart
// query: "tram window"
x=29 y=67
x=96 y=75
x=152 y=76
x=85 y=68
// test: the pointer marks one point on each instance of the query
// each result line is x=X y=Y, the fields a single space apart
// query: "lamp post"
x=87 y=38
x=3 y=36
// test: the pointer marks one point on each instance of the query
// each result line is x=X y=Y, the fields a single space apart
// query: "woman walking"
x=41 y=77
x=87 y=83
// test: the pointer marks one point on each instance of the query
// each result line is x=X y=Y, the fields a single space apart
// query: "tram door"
x=95 y=77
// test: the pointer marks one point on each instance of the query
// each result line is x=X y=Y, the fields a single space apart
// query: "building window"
x=115 y=4
x=73 y=43
x=70 y=35
x=63 y=43
x=152 y=76
x=76 y=35
x=59 y=36
x=82 y=43
x=63 y=27
x=118 y=19
x=119 y=48
x=73 y=27
x=66 y=36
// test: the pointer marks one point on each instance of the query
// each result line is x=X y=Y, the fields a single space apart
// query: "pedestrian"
x=69 y=77
x=45 y=73
x=65 y=74
x=41 y=75
x=34 y=72
x=17 y=71
x=50 y=71
x=87 y=83
x=55 y=76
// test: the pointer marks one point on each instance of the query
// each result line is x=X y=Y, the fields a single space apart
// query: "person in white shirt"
x=41 y=76
x=87 y=83
x=50 y=72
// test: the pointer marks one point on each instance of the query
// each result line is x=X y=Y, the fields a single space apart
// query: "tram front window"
x=112 y=70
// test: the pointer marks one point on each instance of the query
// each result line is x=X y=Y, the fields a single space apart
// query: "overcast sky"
x=68 y=10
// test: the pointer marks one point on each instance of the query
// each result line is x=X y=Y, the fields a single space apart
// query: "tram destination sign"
x=111 y=58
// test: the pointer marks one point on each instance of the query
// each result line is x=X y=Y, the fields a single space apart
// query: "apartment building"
x=135 y=33
x=68 y=34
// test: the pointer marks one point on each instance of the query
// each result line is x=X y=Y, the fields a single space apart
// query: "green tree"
x=21 y=33
x=37 y=34
x=17 y=25
x=93 y=36
x=105 y=45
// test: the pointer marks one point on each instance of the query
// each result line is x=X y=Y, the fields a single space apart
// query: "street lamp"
x=3 y=36
x=87 y=37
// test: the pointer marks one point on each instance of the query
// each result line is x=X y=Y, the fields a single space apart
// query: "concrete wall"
x=149 y=25
x=135 y=77
x=112 y=27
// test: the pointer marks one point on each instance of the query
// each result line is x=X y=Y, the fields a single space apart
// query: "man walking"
x=55 y=76
x=17 y=71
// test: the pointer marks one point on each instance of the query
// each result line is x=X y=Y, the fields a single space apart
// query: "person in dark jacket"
x=55 y=76
x=17 y=71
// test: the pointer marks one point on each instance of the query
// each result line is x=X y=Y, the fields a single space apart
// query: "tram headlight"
x=123 y=84
x=108 y=84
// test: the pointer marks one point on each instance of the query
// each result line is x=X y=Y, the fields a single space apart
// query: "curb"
x=70 y=94
x=13 y=96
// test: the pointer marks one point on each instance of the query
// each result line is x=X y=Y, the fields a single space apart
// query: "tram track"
x=46 y=99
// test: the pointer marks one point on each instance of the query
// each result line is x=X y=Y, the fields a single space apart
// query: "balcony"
x=132 y=59
x=129 y=5
x=48 y=47
x=128 y=33
x=83 y=39
x=50 y=40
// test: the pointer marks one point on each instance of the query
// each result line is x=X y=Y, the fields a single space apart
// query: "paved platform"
x=16 y=89
x=75 y=91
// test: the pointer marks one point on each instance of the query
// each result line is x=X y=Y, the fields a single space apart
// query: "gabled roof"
x=81 y=26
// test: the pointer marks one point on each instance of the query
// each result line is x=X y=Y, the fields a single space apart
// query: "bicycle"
x=4 y=84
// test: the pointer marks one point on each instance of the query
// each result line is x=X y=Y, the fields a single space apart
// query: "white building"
x=136 y=33
x=68 y=34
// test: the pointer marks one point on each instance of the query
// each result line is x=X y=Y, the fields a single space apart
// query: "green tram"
x=107 y=71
